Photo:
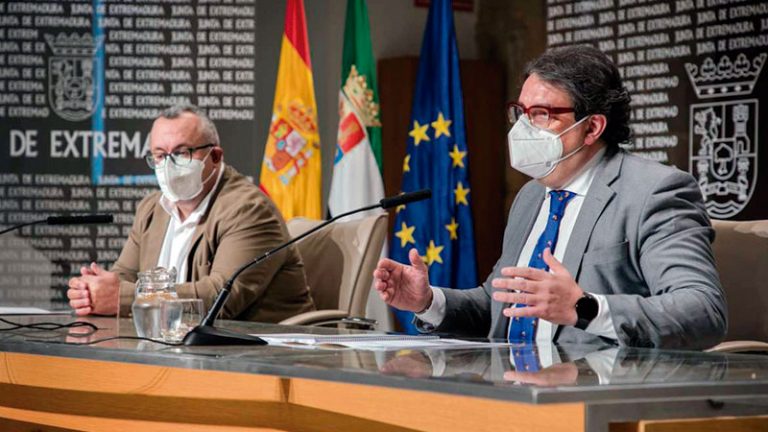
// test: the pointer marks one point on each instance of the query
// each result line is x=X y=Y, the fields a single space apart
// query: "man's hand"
x=404 y=287
x=413 y=364
x=94 y=292
x=79 y=296
x=549 y=295
x=556 y=375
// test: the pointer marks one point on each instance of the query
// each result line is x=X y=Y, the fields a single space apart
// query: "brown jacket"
x=241 y=223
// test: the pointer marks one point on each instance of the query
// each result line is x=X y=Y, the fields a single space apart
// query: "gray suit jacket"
x=642 y=238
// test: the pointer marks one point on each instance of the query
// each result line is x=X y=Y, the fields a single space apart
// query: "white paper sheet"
x=6 y=310
x=372 y=342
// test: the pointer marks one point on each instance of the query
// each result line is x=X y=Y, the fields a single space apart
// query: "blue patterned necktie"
x=523 y=330
x=525 y=358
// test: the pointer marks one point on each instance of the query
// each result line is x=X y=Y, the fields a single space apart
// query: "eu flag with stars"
x=439 y=228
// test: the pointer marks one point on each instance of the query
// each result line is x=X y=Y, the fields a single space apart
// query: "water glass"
x=178 y=317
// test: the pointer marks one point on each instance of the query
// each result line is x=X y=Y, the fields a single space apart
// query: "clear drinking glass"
x=152 y=287
x=178 y=317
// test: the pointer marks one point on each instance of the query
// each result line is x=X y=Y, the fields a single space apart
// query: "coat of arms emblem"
x=72 y=90
x=723 y=134
x=292 y=130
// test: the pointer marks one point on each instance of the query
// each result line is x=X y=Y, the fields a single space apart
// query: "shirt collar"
x=580 y=183
x=197 y=213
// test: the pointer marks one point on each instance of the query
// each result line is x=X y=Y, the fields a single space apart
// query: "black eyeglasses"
x=539 y=116
x=182 y=156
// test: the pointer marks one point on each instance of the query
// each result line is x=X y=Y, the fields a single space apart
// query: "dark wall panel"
x=696 y=72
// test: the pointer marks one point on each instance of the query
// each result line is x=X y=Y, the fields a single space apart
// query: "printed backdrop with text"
x=80 y=83
x=695 y=70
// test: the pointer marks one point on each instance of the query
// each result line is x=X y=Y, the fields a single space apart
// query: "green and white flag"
x=357 y=165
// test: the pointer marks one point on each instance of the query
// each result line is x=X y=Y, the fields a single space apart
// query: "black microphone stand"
x=207 y=334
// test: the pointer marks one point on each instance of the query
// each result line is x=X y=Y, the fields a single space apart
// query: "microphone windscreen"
x=405 y=198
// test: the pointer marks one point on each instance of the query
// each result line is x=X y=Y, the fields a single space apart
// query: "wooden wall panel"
x=483 y=85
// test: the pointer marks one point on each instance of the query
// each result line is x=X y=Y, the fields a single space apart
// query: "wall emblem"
x=72 y=90
x=723 y=135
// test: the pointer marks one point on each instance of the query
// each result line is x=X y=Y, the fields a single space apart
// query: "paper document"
x=364 y=341
x=6 y=310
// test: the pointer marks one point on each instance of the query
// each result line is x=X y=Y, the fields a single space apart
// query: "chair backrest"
x=741 y=255
x=339 y=260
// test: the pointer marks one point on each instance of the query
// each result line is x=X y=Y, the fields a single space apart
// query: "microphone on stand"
x=207 y=334
x=66 y=220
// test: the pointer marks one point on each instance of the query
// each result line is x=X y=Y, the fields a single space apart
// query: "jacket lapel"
x=154 y=237
x=529 y=208
x=201 y=225
x=196 y=238
x=598 y=197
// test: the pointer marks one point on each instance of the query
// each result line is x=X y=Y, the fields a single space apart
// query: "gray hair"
x=594 y=84
x=210 y=134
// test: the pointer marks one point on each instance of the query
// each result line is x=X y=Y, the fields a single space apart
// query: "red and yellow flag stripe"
x=291 y=171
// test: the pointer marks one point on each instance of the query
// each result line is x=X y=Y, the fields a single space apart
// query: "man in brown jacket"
x=206 y=221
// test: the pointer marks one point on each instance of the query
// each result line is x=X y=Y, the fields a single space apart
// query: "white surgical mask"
x=182 y=183
x=534 y=151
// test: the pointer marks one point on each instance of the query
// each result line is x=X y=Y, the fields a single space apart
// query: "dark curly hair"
x=592 y=81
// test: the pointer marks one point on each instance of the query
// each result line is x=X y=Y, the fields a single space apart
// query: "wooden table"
x=140 y=386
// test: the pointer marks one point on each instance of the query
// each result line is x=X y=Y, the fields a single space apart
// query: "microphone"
x=79 y=220
x=394 y=201
x=66 y=220
x=207 y=334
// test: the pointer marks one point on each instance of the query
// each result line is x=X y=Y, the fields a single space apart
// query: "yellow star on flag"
x=461 y=194
x=452 y=227
x=433 y=254
x=441 y=126
x=399 y=208
x=406 y=235
x=419 y=132
x=457 y=156
x=406 y=164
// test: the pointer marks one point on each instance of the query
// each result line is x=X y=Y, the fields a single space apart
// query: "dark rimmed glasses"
x=539 y=116
x=181 y=156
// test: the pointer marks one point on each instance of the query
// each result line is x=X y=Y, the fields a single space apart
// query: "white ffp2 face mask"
x=182 y=183
x=536 y=152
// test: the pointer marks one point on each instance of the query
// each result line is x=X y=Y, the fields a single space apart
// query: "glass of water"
x=178 y=317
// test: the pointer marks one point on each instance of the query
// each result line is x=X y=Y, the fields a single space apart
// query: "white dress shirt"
x=178 y=235
x=602 y=325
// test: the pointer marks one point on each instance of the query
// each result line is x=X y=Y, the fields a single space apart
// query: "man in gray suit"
x=603 y=247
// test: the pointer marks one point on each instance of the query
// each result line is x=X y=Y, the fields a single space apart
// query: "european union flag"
x=439 y=228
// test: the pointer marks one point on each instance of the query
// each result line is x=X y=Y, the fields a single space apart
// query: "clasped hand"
x=548 y=295
x=94 y=292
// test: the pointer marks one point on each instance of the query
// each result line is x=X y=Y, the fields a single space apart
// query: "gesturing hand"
x=555 y=375
x=413 y=364
x=404 y=287
x=549 y=295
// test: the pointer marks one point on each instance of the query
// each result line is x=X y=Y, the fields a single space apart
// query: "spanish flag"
x=290 y=173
